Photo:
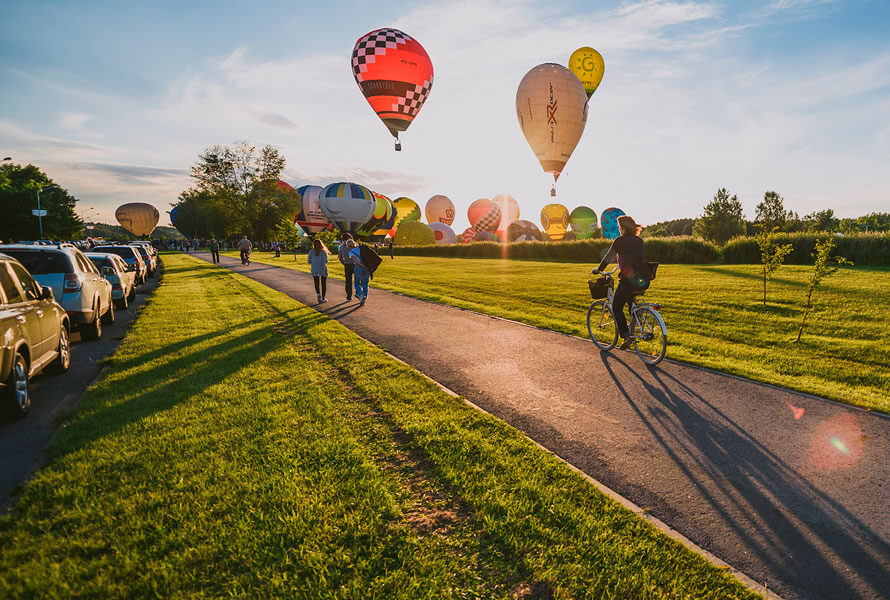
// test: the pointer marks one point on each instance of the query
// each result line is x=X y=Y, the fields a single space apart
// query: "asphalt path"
x=55 y=397
x=791 y=489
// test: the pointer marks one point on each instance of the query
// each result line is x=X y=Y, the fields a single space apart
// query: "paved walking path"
x=791 y=489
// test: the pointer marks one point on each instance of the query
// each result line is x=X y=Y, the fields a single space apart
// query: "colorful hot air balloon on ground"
x=524 y=231
x=468 y=235
x=138 y=218
x=406 y=211
x=444 y=234
x=583 y=222
x=552 y=109
x=588 y=66
x=439 y=209
x=347 y=205
x=609 y=222
x=309 y=214
x=509 y=212
x=395 y=74
x=484 y=215
x=485 y=236
x=555 y=221
x=414 y=233
x=376 y=228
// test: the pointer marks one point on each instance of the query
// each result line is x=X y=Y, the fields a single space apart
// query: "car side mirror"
x=46 y=293
x=107 y=271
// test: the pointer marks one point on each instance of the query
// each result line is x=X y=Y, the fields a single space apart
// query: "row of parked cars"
x=48 y=291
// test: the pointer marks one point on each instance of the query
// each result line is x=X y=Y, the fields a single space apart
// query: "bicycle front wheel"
x=650 y=335
x=601 y=325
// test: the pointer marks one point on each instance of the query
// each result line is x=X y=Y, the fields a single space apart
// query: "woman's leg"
x=621 y=298
x=315 y=278
x=324 y=286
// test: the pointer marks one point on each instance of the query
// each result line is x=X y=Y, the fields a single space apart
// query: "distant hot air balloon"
x=395 y=75
x=609 y=222
x=138 y=218
x=484 y=215
x=588 y=66
x=552 y=109
x=309 y=214
x=509 y=212
x=406 y=210
x=485 y=236
x=414 y=233
x=174 y=214
x=439 y=209
x=444 y=234
x=347 y=205
x=381 y=220
x=555 y=221
x=468 y=235
x=583 y=222
x=524 y=231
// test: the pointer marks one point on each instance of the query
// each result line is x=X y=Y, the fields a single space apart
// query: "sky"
x=116 y=100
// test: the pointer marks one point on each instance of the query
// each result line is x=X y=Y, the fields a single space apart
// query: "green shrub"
x=676 y=250
x=870 y=249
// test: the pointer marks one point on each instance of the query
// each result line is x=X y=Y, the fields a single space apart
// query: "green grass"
x=242 y=444
x=714 y=314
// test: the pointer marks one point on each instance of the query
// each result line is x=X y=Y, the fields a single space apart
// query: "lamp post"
x=39 y=212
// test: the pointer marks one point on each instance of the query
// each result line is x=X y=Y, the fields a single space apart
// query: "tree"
x=236 y=188
x=823 y=220
x=291 y=236
x=824 y=266
x=669 y=228
x=18 y=197
x=772 y=255
x=722 y=218
x=771 y=212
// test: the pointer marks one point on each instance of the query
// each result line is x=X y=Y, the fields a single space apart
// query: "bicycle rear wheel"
x=651 y=337
x=601 y=325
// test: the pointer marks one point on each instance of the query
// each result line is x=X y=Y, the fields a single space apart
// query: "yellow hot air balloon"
x=555 y=221
x=588 y=66
x=552 y=109
x=138 y=218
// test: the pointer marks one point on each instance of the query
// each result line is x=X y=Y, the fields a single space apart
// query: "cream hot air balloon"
x=551 y=105
x=439 y=209
x=138 y=218
x=509 y=212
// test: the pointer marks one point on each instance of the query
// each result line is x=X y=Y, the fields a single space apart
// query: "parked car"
x=115 y=270
x=76 y=283
x=131 y=256
x=150 y=260
x=34 y=331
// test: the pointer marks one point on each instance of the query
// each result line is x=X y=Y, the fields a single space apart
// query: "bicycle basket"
x=600 y=287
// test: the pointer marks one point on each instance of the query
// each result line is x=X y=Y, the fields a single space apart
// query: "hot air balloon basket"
x=600 y=288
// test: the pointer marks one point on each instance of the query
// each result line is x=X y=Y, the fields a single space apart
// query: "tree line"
x=18 y=197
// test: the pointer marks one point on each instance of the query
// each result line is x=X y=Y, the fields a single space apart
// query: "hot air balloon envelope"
x=444 y=234
x=552 y=109
x=583 y=222
x=588 y=66
x=609 y=222
x=309 y=214
x=439 y=209
x=381 y=219
x=484 y=215
x=347 y=205
x=555 y=221
x=524 y=231
x=509 y=212
x=406 y=211
x=138 y=218
x=394 y=73
x=414 y=233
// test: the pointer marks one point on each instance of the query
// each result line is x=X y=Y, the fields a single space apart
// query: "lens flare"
x=797 y=411
x=837 y=444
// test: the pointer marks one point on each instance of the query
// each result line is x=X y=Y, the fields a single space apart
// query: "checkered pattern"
x=490 y=221
x=413 y=100
x=376 y=42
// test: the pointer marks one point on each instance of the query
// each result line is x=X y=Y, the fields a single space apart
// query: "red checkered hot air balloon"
x=395 y=74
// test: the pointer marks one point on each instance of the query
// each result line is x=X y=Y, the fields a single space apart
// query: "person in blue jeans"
x=361 y=273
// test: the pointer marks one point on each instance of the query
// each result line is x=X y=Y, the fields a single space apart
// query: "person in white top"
x=318 y=258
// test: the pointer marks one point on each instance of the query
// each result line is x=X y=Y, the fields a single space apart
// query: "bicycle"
x=245 y=257
x=647 y=328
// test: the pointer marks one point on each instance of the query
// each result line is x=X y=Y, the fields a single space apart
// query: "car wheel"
x=108 y=317
x=92 y=331
x=18 y=388
x=132 y=295
x=123 y=303
x=63 y=360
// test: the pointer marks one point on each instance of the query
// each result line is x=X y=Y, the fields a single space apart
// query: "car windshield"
x=124 y=251
x=101 y=261
x=42 y=262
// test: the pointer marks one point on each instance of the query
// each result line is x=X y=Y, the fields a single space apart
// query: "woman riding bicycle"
x=628 y=250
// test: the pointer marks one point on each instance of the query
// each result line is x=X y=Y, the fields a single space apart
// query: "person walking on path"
x=362 y=274
x=245 y=247
x=318 y=258
x=348 y=265
x=214 y=250
x=628 y=250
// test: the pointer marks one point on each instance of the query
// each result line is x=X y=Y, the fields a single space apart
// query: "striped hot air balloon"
x=347 y=205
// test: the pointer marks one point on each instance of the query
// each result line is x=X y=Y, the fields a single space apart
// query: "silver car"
x=122 y=279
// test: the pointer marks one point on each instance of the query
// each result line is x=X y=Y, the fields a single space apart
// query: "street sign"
x=38 y=213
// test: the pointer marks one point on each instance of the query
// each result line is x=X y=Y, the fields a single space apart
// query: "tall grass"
x=864 y=249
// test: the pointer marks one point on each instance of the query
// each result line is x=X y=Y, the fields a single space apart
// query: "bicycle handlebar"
x=607 y=272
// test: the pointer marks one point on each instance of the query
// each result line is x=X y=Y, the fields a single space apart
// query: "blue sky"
x=115 y=100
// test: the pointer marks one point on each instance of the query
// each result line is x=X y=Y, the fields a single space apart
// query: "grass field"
x=241 y=444
x=714 y=314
